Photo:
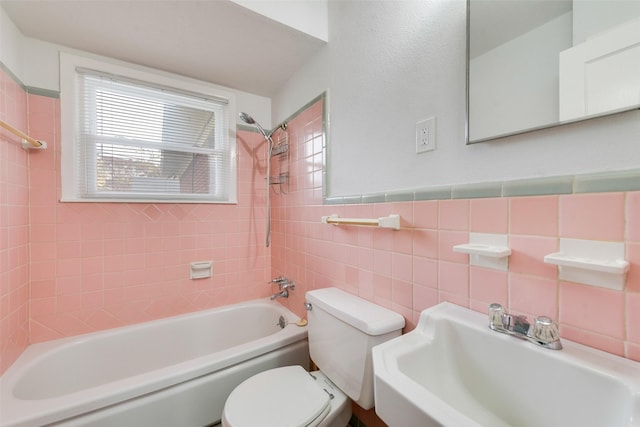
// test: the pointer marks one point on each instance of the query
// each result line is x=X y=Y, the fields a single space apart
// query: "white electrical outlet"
x=426 y=135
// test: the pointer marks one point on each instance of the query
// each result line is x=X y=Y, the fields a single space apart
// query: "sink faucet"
x=544 y=331
x=284 y=284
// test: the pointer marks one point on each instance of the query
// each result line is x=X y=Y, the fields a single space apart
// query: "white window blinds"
x=141 y=141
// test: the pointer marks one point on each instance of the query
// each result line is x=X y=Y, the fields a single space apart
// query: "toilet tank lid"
x=368 y=317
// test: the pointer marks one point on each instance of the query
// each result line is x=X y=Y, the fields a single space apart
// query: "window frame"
x=70 y=158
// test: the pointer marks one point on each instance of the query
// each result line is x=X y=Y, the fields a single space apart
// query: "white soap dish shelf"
x=487 y=250
x=483 y=250
x=591 y=262
x=612 y=266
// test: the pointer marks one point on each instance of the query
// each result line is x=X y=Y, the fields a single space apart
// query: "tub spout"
x=283 y=294
x=284 y=284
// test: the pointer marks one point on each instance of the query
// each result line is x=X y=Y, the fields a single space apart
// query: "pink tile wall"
x=14 y=226
x=414 y=268
x=81 y=267
x=100 y=265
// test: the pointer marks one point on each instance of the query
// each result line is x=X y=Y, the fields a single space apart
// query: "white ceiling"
x=212 y=40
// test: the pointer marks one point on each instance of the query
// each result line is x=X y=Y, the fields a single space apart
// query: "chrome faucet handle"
x=545 y=330
x=500 y=320
x=280 y=279
x=496 y=314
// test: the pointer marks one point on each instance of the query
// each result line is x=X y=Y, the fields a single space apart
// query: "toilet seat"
x=279 y=397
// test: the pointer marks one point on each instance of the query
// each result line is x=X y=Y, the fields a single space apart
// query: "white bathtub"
x=174 y=372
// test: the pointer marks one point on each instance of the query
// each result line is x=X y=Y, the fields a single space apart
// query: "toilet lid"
x=279 y=397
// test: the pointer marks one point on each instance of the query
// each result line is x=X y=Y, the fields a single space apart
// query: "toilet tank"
x=342 y=330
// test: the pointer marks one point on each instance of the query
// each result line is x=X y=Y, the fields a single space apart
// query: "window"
x=129 y=135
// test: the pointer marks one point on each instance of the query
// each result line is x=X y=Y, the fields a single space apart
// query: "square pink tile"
x=460 y=300
x=453 y=215
x=365 y=258
x=534 y=215
x=632 y=351
x=69 y=249
x=425 y=214
x=383 y=240
x=532 y=295
x=366 y=287
x=633 y=275
x=527 y=255
x=425 y=272
x=447 y=240
x=402 y=267
x=633 y=216
x=489 y=215
x=42 y=289
x=585 y=307
x=633 y=317
x=403 y=241
x=488 y=285
x=402 y=293
x=424 y=297
x=454 y=279
x=425 y=243
x=43 y=306
x=382 y=288
x=591 y=339
x=405 y=210
x=593 y=216
x=382 y=263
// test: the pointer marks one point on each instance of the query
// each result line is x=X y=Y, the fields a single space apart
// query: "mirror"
x=533 y=64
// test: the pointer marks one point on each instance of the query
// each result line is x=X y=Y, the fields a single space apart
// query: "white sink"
x=452 y=370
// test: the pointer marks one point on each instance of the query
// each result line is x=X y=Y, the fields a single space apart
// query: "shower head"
x=250 y=121
x=247 y=118
x=267 y=135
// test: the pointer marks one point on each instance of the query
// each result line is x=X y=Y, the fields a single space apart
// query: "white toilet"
x=342 y=330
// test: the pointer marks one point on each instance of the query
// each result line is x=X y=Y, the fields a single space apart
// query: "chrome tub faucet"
x=544 y=331
x=284 y=284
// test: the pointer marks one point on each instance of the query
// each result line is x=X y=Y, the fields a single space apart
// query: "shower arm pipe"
x=267 y=135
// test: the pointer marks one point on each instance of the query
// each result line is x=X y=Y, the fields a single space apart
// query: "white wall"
x=10 y=44
x=389 y=64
